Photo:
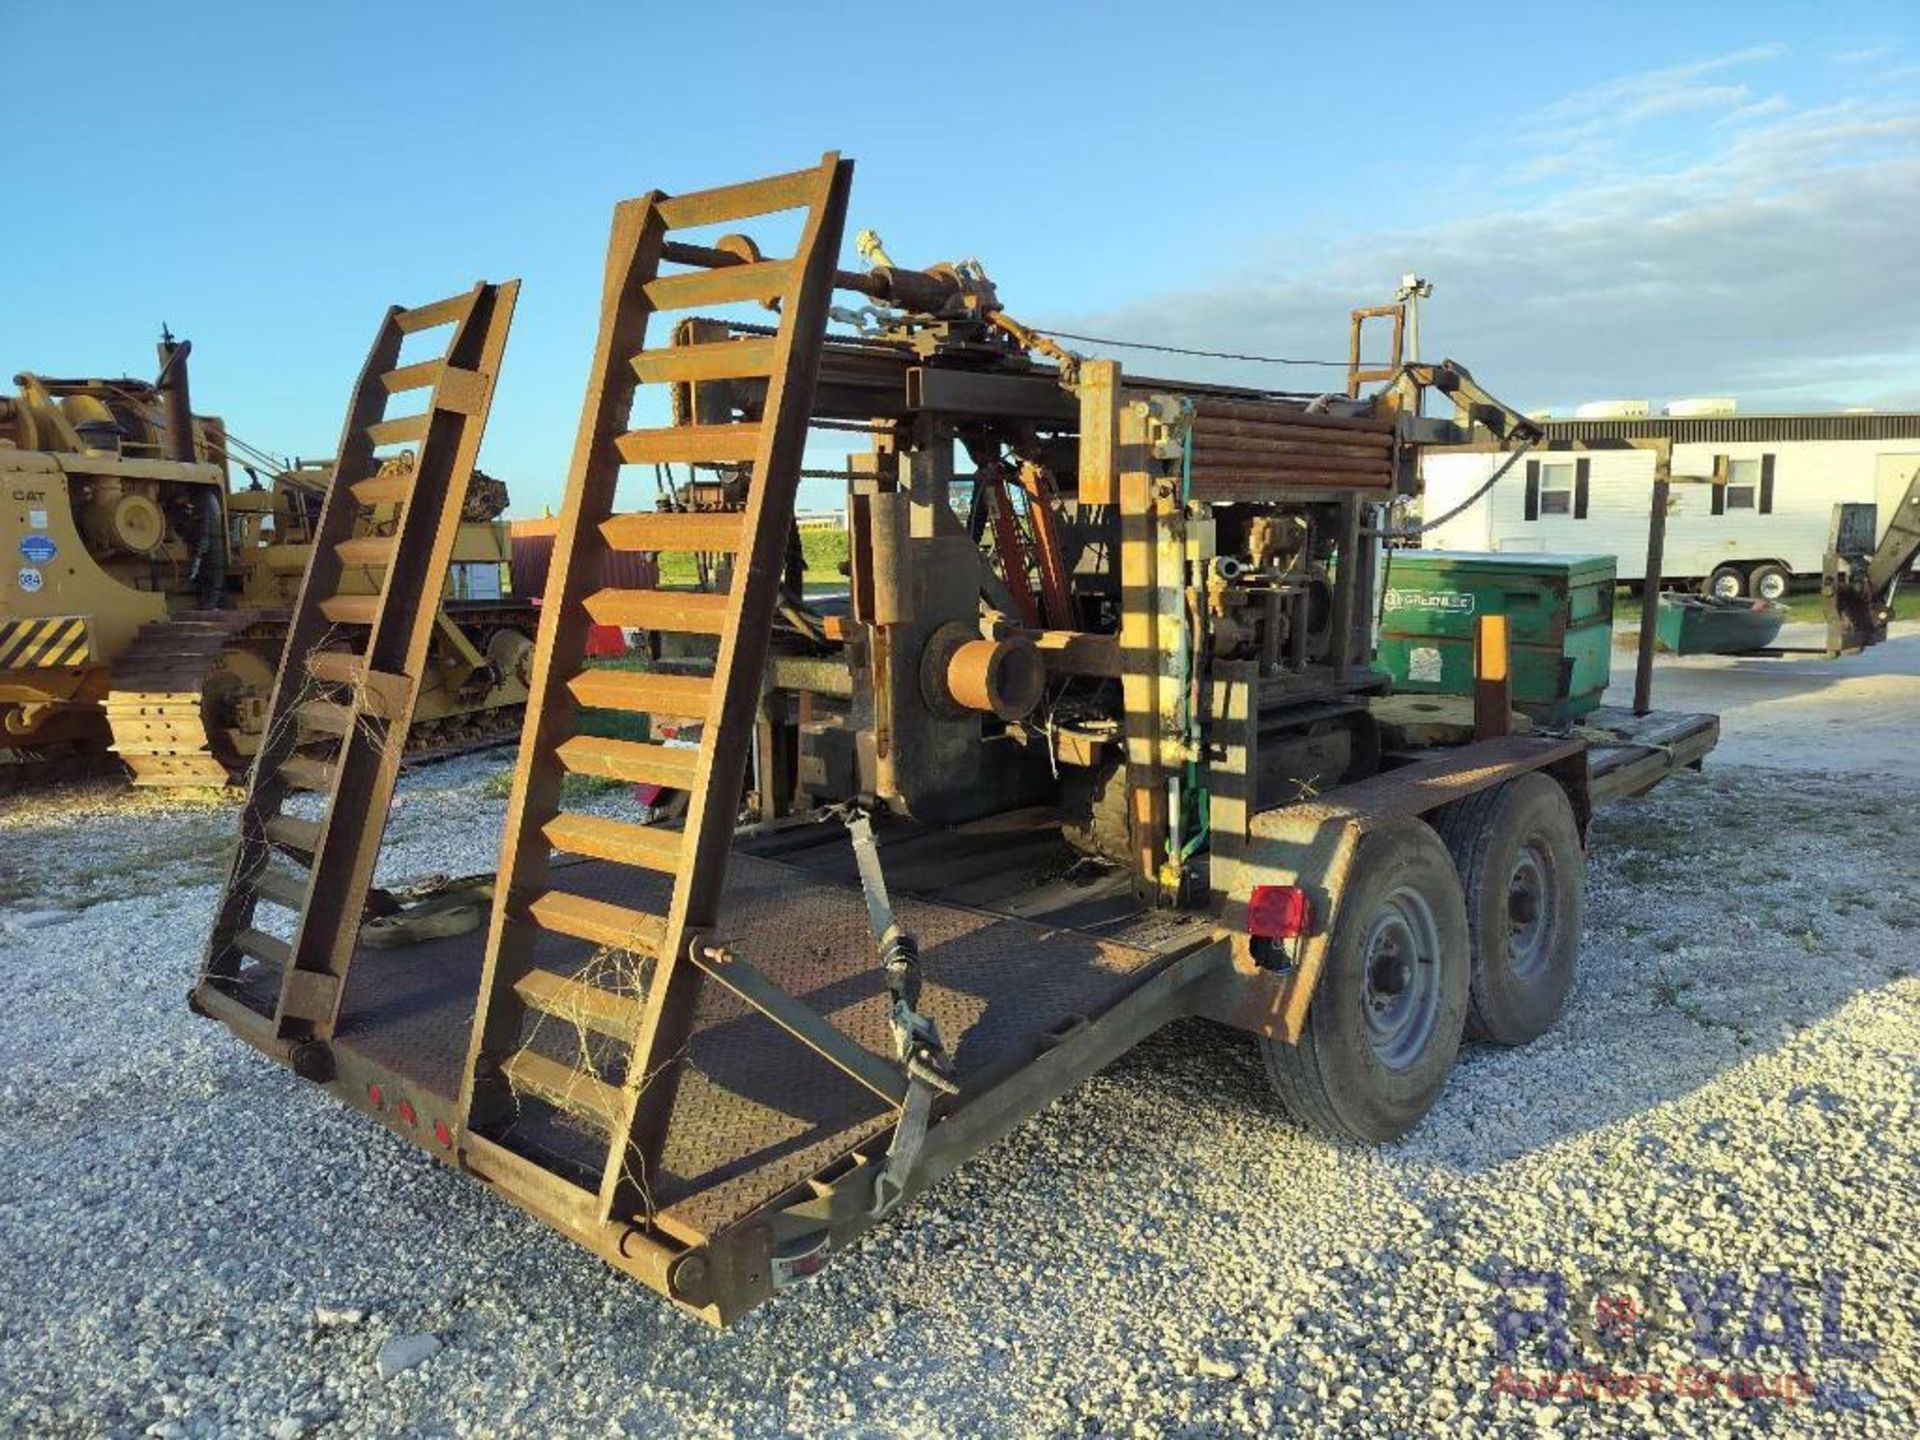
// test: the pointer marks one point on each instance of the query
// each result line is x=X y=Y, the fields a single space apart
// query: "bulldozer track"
x=169 y=730
x=170 y=724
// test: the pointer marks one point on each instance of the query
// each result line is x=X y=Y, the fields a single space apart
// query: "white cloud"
x=1589 y=126
x=1866 y=55
x=1767 y=263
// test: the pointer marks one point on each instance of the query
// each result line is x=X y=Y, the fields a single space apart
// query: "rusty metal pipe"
x=1259 y=484
x=1206 y=409
x=879 y=284
x=997 y=677
x=1358 y=441
x=1218 y=467
x=1259 y=457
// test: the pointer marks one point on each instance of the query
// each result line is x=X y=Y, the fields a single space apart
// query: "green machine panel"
x=1559 y=611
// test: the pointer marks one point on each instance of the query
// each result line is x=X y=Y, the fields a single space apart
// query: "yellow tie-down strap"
x=45 y=643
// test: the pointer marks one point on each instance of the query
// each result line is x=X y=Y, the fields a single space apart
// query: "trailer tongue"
x=1100 y=749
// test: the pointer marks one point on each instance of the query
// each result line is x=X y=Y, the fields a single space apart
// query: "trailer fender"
x=1267 y=989
x=1312 y=847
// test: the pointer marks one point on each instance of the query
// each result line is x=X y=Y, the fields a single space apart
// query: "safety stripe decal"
x=43 y=644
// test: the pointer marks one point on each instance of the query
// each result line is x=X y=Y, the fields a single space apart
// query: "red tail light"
x=374 y=1097
x=1279 y=912
x=442 y=1133
x=407 y=1112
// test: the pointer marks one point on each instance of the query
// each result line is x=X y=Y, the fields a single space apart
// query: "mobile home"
x=1755 y=535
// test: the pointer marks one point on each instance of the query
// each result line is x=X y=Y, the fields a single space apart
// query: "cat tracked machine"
x=144 y=602
x=1092 y=743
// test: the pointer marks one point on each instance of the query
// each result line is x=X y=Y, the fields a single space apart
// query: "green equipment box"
x=1559 y=611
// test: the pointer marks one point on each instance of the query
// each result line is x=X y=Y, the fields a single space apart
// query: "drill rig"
x=1091 y=743
x=144 y=603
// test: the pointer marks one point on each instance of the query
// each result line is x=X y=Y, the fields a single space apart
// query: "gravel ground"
x=194 y=1243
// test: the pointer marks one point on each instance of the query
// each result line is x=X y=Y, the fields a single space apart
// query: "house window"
x=1556 y=488
x=1743 y=484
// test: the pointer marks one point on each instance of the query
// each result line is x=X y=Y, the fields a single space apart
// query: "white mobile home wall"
x=1809 y=475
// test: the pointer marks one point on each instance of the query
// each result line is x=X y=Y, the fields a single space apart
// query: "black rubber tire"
x=1726 y=572
x=1770 y=576
x=1334 y=1081
x=1486 y=833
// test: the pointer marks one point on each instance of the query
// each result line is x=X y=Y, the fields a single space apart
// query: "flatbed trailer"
x=1038 y=979
x=714 y=1052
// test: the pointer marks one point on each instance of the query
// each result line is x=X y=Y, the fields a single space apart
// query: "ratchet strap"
x=916 y=1039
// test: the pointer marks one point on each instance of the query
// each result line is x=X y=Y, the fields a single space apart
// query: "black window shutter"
x=1533 y=489
x=1766 y=484
x=1722 y=468
x=1582 y=472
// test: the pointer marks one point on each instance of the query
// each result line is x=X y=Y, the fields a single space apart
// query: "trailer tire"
x=1729 y=582
x=1387 y=1014
x=1517 y=846
x=1770 y=581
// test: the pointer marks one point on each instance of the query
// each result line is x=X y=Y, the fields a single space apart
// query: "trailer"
x=1762 y=528
x=1107 y=752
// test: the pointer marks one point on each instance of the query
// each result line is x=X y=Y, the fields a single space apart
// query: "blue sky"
x=1611 y=200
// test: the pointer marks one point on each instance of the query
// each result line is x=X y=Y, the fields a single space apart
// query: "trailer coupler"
x=916 y=1038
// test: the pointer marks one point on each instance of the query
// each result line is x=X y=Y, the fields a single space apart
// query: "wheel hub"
x=1530 y=918
x=1402 y=981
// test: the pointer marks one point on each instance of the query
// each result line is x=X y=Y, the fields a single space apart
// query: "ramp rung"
x=578 y=1003
x=690 y=444
x=263 y=946
x=306 y=773
x=325 y=716
x=689 y=612
x=744 y=359
x=283 y=888
x=621 y=842
x=366 y=550
x=351 y=609
x=384 y=489
x=294 y=833
x=402 y=430
x=680 y=530
x=596 y=921
x=724 y=285
x=440 y=312
x=637 y=691
x=584 y=1096
x=423 y=376
x=739 y=202
x=670 y=765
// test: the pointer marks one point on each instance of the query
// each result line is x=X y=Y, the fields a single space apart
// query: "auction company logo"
x=1777 y=1338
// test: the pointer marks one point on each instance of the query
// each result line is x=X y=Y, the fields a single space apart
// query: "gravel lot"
x=195 y=1243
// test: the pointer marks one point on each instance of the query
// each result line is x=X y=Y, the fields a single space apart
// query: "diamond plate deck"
x=757 y=1111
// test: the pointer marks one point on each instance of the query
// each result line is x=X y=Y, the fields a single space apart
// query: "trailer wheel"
x=1770 y=581
x=1518 y=850
x=1387 y=1014
x=1729 y=582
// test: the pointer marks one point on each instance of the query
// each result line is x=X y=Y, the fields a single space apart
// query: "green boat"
x=1703 y=625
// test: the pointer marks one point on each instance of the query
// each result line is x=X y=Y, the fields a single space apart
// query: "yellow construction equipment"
x=144 y=599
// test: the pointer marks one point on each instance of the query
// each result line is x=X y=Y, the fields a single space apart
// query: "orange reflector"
x=1279 y=912
x=1490 y=653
